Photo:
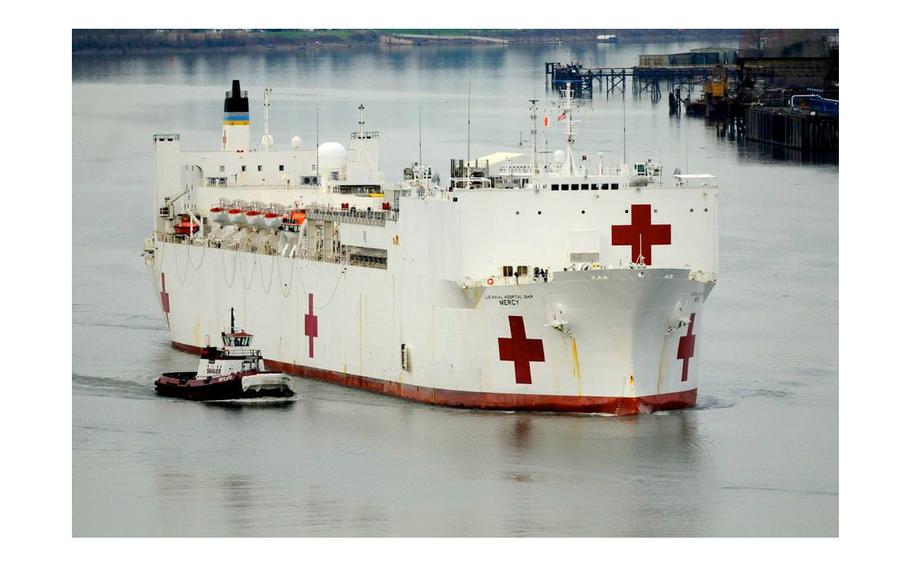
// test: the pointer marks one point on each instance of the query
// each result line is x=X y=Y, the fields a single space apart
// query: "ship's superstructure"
x=543 y=282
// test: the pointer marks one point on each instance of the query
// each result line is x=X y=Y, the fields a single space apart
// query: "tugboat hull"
x=240 y=385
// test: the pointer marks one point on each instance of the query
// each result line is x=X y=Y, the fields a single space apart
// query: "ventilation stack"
x=235 y=132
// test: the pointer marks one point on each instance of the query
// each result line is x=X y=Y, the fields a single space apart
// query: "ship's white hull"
x=614 y=340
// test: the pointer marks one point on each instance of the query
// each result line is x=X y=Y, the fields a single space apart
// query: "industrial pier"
x=787 y=101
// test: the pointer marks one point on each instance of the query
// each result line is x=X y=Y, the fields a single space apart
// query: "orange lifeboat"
x=293 y=220
x=185 y=227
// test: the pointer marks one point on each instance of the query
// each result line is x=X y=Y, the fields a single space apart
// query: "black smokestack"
x=237 y=101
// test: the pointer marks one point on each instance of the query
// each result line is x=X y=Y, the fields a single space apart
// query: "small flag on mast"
x=546 y=121
x=561 y=116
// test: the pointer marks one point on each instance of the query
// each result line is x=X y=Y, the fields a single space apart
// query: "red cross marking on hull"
x=641 y=234
x=311 y=326
x=520 y=350
x=687 y=348
x=165 y=302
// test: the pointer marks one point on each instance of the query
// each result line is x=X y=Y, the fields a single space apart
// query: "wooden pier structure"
x=614 y=80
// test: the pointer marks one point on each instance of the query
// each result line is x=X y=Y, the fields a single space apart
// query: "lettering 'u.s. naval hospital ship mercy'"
x=543 y=281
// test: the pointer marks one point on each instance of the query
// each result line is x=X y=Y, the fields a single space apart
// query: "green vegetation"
x=124 y=41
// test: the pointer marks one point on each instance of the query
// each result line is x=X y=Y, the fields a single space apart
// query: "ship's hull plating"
x=615 y=341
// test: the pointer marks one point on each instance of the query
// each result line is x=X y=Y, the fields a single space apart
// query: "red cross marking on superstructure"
x=687 y=348
x=641 y=234
x=311 y=325
x=520 y=350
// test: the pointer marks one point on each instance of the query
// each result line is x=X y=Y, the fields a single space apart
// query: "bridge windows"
x=582 y=186
x=280 y=167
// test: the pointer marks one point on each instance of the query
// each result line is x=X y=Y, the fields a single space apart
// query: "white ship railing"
x=378 y=218
x=515 y=169
x=255 y=186
x=243 y=352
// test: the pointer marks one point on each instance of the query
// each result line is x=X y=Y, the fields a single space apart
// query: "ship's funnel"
x=235 y=131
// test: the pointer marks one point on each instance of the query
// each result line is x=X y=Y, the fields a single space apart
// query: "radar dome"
x=332 y=156
x=559 y=156
x=296 y=142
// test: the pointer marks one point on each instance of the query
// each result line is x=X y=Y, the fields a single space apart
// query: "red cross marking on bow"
x=641 y=234
x=520 y=350
x=165 y=302
x=687 y=348
x=311 y=325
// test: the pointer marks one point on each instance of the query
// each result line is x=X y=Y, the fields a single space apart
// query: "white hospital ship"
x=540 y=281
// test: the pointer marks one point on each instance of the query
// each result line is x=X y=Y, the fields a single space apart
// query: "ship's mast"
x=569 y=167
x=266 y=137
x=534 y=170
x=420 y=147
x=361 y=137
x=469 y=122
x=360 y=123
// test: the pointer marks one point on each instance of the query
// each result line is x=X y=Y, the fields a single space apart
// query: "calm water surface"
x=758 y=456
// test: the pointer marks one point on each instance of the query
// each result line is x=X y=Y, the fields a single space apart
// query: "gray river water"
x=758 y=456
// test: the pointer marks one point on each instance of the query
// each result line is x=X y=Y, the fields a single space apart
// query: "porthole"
x=582 y=211
x=538 y=212
x=706 y=209
x=627 y=210
x=516 y=212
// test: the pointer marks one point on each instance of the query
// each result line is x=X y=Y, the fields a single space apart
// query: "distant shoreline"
x=148 y=42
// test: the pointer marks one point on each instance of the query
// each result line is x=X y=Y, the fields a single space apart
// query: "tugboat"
x=232 y=371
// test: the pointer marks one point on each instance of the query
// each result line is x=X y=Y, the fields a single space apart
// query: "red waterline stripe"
x=487 y=400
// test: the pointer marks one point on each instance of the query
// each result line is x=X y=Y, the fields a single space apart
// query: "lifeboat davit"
x=271 y=220
x=218 y=215
x=252 y=218
x=185 y=226
x=234 y=215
